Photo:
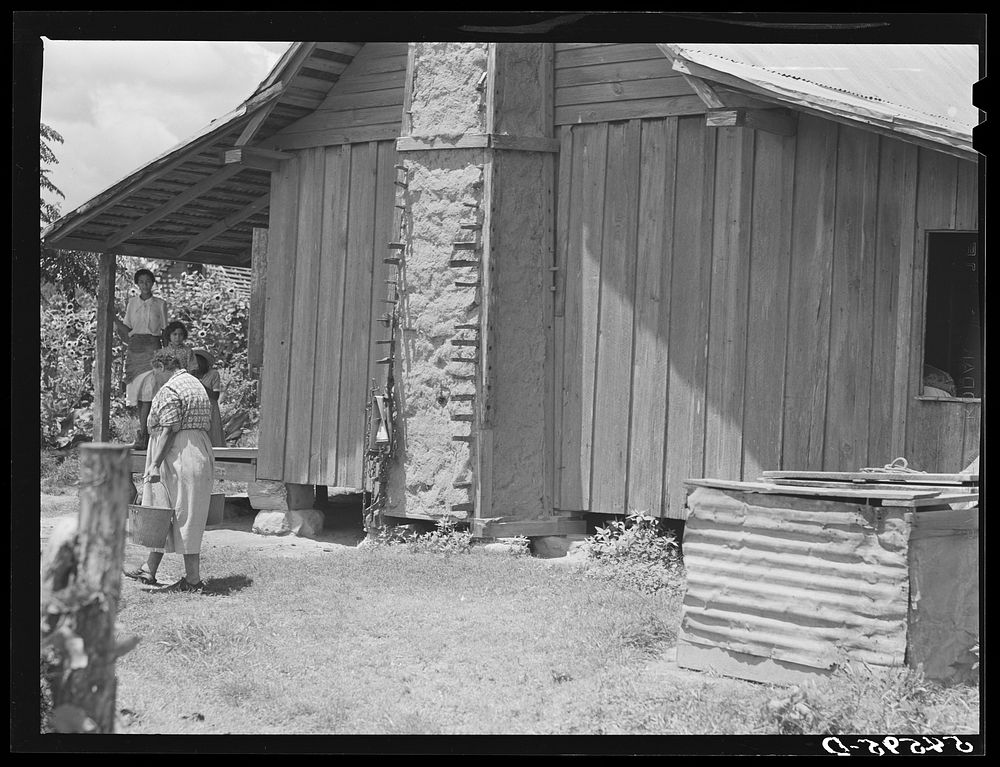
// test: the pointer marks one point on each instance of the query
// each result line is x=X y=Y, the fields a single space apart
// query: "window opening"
x=952 y=350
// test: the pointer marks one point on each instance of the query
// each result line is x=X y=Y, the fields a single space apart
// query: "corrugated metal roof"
x=922 y=90
x=797 y=580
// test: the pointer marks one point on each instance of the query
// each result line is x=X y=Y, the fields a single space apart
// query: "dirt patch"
x=342 y=529
x=237 y=533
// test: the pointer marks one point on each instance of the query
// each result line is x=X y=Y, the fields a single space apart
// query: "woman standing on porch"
x=142 y=329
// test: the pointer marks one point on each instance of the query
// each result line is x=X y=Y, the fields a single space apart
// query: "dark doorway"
x=952 y=338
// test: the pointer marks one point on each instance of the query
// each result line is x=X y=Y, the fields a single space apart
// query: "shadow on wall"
x=690 y=342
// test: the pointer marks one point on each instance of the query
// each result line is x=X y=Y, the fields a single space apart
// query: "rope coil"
x=898 y=466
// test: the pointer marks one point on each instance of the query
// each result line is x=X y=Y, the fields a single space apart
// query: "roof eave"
x=65 y=224
x=270 y=88
x=864 y=115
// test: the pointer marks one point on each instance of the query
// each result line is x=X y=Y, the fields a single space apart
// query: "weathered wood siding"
x=595 y=82
x=366 y=102
x=331 y=211
x=732 y=301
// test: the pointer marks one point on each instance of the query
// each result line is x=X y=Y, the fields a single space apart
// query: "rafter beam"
x=102 y=203
x=165 y=253
x=227 y=223
x=171 y=205
x=344 y=49
x=122 y=249
x=217 y=259
x=254 y=125
x=296 y=61
x=255 y=157
x=705 y=92
x=304 y=102
x=331 y=66
x=113 y=196
x=779 y=121
x=265 y=97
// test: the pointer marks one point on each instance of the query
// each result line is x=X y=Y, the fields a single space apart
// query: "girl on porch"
x=212 y=382
x=142 y=329
x=176 y=335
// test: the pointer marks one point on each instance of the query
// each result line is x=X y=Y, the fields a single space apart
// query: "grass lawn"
x=317 y=639
x=387 y=641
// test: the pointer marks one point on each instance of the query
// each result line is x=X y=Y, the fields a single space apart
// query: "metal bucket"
x=216 y=509
x=148 y=525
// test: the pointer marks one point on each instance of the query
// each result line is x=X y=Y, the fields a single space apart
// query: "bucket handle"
x=147 y=480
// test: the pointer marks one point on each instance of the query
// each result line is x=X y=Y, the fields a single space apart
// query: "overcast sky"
x=119 y=104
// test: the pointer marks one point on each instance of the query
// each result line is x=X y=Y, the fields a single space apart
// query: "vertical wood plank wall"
x=732 y=301
x=330 y=214
x=365 y=103
x=613 y=81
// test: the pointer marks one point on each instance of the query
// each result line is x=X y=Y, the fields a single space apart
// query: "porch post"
x=258 y=288
x=102 y=358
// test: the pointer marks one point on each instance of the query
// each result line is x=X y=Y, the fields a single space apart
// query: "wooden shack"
x=592 y=270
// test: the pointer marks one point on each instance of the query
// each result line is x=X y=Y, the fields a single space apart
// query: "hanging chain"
x=377 y=455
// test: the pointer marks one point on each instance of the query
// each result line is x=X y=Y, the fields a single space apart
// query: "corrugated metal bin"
x=787 y=581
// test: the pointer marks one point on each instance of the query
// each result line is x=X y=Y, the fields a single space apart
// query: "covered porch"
x=205 y=201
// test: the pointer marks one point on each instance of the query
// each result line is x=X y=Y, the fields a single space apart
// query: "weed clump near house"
x=445 y=538
x=635 y=553
x=631 y=553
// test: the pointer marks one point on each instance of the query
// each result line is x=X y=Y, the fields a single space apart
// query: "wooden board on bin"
x=875 y=476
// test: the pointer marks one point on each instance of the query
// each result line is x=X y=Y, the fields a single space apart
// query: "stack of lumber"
x=919 y=490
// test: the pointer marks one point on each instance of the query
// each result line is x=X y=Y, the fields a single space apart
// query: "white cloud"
x=119 y=104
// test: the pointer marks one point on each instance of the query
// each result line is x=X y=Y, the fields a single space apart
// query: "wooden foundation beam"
x=726 y=662
x=300 y=496
x=500 y=527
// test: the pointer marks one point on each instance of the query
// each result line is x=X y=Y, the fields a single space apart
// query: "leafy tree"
x=67 y=270
x=68 y=335
x=217 y=319
x=49 y=210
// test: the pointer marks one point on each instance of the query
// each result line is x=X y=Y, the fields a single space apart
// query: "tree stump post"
x=81 y=582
